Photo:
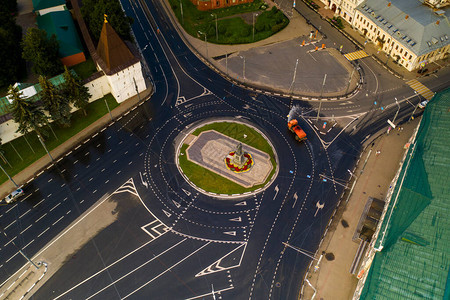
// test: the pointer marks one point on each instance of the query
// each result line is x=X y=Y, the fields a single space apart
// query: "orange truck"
x=293 y=126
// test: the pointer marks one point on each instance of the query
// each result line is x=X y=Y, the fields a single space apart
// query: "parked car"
x=423 y=104
x=14 y=196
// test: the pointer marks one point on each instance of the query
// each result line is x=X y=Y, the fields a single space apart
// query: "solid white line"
x=123 y=257
x=215 y=292
x=40 y=218
x=160 y=274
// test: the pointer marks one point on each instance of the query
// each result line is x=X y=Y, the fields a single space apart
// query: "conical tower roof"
x=112 y=50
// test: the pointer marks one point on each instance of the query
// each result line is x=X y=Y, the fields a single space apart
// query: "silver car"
x=13 y=196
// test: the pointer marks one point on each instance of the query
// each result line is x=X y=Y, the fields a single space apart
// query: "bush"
x=245 y=31
x=222 y=29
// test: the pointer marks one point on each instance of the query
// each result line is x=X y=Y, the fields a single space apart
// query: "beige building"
x=343 y=8
x=412 y=33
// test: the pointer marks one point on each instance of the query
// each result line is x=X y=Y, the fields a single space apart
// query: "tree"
x=74 y=91
x=93 y=13
x=42 y=52
x=53 y=101
x=11 y=62
x=26 y=113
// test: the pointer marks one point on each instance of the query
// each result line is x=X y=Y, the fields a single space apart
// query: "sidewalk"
x=333 y=279
x=30 y=172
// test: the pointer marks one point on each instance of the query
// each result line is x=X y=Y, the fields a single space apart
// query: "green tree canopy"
x=42 y=52
x=57 y=106
x=11 y=62
x=26 y=113
x=93 y=13
x=74 y=91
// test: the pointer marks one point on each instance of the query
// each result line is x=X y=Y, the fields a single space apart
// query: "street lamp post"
x=398 y=109
x=10 y=178
x=415 y=108
x=243 y=67
x=217 y=32
x=181 y=8
x=320 y=99
x=206 y=43
x=254 y=26
x=43 y=145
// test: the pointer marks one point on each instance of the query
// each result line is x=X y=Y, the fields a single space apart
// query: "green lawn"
x=95 y=110
x=213 y=182
x=85 y=69
x=230 y=30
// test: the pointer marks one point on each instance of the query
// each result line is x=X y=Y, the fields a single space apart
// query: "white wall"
x=122 y=83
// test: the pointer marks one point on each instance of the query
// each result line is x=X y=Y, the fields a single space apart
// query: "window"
x=401 y=50
x=406 y=53
x=396 y=47
x=410 y=56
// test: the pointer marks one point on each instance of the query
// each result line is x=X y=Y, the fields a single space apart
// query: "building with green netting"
x=410 y=253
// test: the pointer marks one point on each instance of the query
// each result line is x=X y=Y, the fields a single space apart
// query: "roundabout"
x=226 y=159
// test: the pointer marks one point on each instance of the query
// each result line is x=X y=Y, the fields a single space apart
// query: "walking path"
x=376 y=169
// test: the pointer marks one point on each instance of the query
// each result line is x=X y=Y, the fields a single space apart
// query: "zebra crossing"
x=421 y=89
x=356 y=55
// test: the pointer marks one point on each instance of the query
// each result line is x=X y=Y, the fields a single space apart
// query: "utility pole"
x=320 y=99
x=206 y=43
x=254 y=26
x=293 y=77
x=226 y=61
x=43 y=145
x=349 y=81
x=243 y=67
x=181 y=8
x=137 y=92
x=412 y=115
x=10 y=178
x=217 y=32
x=20 y=250
x=398 y=109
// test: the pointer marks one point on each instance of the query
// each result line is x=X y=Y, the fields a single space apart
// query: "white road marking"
x=25 y=213
x=39 y=235
x=57 y=221
x=40 y=218
x=26 y=229
x=123 y=257
x=55 y=206
x=162 y=273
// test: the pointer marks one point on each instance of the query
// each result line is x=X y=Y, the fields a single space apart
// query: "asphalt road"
x=170 y=241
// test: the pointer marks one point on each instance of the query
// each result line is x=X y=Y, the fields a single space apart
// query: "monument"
x=239 y=161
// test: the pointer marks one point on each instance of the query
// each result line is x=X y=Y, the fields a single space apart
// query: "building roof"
x=413 y=24
x=113 y=51
x=61 y=24
x=43 y=4
x=415 y=234
x=30 y=91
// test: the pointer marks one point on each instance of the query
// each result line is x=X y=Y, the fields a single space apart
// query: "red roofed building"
x=213 y=4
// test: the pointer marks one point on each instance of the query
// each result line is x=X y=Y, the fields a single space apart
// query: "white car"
x=423 y=104
x=13 y=196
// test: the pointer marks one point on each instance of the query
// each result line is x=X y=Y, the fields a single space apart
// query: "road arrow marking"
x=295 y=198
x=186 y=192
x=241 y=203
x=238 y=219
x=276 y=192
x=144 y=183
x=319 y=206
x=167 y=214
x=233 y=233
x=176 y=203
